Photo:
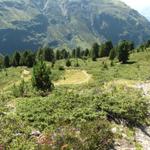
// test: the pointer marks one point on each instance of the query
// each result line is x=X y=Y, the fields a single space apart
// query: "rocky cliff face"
x=29 y=24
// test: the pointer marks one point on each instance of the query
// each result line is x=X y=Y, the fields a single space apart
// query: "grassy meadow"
x=95 y=93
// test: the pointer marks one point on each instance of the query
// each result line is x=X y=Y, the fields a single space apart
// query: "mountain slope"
x=29 y=24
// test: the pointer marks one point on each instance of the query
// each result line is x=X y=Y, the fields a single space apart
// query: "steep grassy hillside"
x=31 y=24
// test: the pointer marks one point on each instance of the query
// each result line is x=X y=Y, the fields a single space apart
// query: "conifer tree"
x=30 y=59
x=87 y=52
x=65 y=54
x=123 y=51
x=68 y=63
x=23 y=59
x=48 y=54
x=105 y=49
x=95 y=51
x=78 y=52
x=6 y=61
x=41 y=77
x=112 y=54
x=74 y=53
x=16 y=59
x=58 y=55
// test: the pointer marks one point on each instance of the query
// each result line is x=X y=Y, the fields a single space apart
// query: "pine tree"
x=82 y=54
x=95 y=51
x=73 y=53
x=16 y=59
x=123 y=51
x=78 y=52
x=23 y=59
x=39 y=54
x=112 y=54
x=6 y=61
x=108 y=47
x=86 y=53
x=105 y=49
x=131 y=45
x=30 y=59
x=68 y=63
x=1 y=62
x=65 y=54
x=102 y=50
x=41 y=77
x=58 y=55
x=48 y=54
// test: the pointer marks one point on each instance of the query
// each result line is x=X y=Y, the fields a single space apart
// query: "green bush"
x=61 y=68
x=123 y=107
x=14 y=134
x=68 y=63
x=94 y=135
x=21 y=90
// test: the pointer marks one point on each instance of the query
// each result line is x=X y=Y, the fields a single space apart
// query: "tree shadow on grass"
x=129 y=63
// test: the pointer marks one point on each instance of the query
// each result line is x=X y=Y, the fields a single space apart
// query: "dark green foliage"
x=27 y=59
x=23 y=59
x=1 y=62
x=112 y=54
x=39 y=54
x=123 y=51
x=30 y=60
x=77 y=63
x=61 y=68
x=147 y=44
x=48 y=54
x=98 y=135
x=14 y=134
x=16 y=59
x=94 y=135
x=58 y=55
x=112 y=64
x=73 y=53
x=105 y=49
x=68 y=63
x=105 y=66
x=102 y=50
x=64 y=54
x=21 y=90
x=95 y=51
x=82 y=54
x=78 y=52
x=6 y=62
x=131 y=45
x=122 y=107
x=86 y=53
x=41 y=77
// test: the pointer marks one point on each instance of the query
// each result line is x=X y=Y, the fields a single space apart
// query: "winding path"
x=74 y=77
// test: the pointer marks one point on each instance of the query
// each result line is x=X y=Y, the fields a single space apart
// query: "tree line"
x=41 y=79
x=120 y=51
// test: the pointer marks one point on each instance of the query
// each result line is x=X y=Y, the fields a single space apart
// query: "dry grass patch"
x=74 y=77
